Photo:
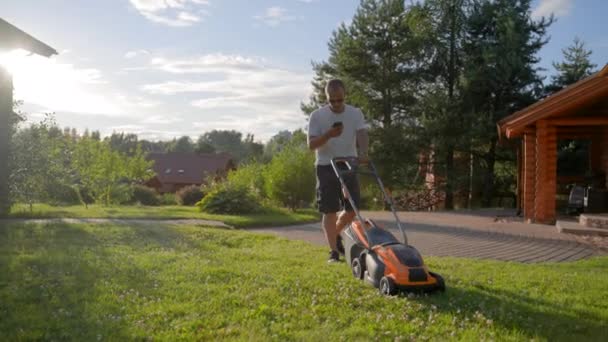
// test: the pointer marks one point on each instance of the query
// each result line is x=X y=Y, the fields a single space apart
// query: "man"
x=336 y=130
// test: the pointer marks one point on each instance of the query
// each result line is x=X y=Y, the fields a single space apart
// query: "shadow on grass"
x=61 y=281
x=517 y=312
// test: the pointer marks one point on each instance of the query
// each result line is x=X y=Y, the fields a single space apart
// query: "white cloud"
x=176 y=13
x=135 y=53
x=162 y=120
x=274 y=16
x=237 y=92
x=559 y=8
x=207 y=64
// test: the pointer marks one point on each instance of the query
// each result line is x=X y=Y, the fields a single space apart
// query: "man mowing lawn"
x=336 y=130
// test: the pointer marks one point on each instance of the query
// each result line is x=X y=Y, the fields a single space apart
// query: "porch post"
x=546 y=172
x=529 y=175
x=605 y=153
x=6 y=110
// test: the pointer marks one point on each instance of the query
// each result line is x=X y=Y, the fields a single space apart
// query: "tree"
x=382 y=57
x=31 y=167
x=575 y=66
x=101 y=169
x=500 y=76
x=232 y=142
x=442 y=116
x=182 y=145
x=123 y=142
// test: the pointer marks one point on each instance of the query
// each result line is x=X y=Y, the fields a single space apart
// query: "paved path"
x=467 y=235
x=480 y=234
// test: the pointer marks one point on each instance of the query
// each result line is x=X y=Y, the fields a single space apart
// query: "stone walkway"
x=472 y=235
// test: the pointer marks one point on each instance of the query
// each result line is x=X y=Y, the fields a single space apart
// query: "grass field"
x=271 y=217
x=107 y=282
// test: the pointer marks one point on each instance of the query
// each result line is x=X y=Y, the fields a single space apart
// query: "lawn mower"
x=373 y=253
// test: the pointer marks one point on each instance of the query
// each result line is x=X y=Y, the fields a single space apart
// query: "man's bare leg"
x=344 y=219
x=329 y=227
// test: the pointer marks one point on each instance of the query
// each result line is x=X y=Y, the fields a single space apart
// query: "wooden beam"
x=582 y=121
x=6 y=110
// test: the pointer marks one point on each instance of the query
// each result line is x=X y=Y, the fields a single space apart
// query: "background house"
x=176 y=170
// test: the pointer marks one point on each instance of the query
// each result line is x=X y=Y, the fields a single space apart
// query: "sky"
x=168 y=68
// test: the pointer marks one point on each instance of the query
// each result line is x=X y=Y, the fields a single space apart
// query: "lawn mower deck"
x=376 y=255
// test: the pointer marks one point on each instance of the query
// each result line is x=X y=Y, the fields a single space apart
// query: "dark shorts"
x=329 y=191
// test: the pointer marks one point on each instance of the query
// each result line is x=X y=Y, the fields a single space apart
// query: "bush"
x=62 y=194
x=227 y=198
x=145 y=195
x=168 y=199
x=251 y=177
x=121 y=194
x=290 y=177
x=189 y=195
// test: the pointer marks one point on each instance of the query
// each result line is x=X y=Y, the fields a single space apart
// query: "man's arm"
x=315 y=142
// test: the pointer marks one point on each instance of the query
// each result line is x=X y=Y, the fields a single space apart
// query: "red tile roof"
x=189 y=168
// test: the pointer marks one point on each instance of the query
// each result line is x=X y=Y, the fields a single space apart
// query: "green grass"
x=272 y=217
x=106 y=282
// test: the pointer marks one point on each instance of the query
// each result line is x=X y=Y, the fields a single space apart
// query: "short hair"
x=334 y=84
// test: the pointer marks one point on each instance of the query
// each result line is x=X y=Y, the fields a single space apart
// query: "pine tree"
x=575 y=66
x=501 y=76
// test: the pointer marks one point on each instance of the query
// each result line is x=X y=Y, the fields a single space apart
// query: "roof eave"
x=12 y=37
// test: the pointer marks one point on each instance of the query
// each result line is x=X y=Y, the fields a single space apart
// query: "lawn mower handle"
x=352 y=164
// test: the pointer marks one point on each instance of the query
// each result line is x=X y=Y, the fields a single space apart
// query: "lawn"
x=272 y=217
x=162 y=282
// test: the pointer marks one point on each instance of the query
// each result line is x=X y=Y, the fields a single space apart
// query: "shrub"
x=251 y=177
x=168 y=199
x=121 y=194
x=189 y=195
x=145 y=195
x=227 y=198
x=62 y=194
x=290 y=177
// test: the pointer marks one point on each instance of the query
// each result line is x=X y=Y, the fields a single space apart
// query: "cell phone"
x=337 y=124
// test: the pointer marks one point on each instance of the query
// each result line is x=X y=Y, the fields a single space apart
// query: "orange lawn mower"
x=376 y=255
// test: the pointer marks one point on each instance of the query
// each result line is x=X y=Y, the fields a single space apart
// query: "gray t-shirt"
x=344 y=145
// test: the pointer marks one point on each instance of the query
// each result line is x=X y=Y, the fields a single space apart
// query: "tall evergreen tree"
x=382 y=57
x=501 y=76
x=442 y=115
x=575 y=66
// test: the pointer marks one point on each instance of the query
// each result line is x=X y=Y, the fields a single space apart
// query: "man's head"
x=336 y=94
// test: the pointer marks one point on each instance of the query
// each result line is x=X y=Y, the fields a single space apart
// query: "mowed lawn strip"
x=107 y=282
x=269 y=217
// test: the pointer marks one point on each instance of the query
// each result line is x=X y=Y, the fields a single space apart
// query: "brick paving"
x=482 y=235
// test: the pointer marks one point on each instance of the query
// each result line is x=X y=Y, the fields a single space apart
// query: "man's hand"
x=335 y=131
x=316 y=142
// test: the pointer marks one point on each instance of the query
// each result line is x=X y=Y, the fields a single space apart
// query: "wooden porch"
x=578 y=112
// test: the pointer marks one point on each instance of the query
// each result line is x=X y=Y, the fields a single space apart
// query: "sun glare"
x=56 y=86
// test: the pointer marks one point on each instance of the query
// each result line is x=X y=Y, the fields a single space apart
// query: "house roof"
x=566 y=101
x=188 y=168
x=12 y=38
